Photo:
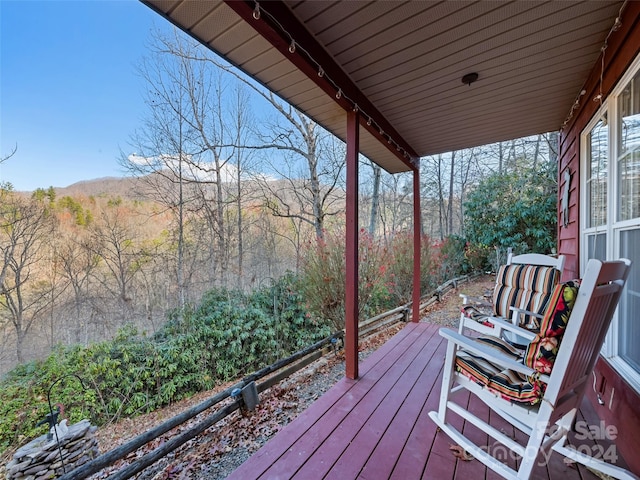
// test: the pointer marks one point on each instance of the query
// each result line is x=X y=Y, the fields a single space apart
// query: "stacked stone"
x=40 y=458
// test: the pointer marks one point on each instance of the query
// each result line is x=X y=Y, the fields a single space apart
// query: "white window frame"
x=613 y=227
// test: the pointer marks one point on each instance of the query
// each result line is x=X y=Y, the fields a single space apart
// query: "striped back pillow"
x=524 y=286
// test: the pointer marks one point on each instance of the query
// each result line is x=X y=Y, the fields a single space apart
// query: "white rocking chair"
x=548 y=419
x=523 y=287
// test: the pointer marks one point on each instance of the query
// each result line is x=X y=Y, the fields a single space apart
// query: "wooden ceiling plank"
x=274 y=33
x=513 y=43
x=404 y=60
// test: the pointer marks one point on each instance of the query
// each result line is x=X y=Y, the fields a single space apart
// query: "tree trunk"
x=375 y=198
x=450 y=206
x=441 y=213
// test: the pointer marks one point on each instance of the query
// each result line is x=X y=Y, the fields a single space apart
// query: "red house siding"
x=620 y=409
x=623 y=46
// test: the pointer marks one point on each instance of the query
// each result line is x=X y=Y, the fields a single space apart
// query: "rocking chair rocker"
x=544 y=407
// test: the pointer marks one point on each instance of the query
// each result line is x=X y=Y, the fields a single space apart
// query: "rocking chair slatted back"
x=597 y=300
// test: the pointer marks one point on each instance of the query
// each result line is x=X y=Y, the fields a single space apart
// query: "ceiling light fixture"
x=469 y=78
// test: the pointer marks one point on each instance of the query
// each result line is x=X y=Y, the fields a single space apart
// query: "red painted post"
x=351 y=250
x=417 y=231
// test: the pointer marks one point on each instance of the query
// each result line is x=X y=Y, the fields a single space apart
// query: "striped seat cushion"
x=506 y=383
x=528 y=287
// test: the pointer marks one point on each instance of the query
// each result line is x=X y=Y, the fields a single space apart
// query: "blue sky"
x=69 y=94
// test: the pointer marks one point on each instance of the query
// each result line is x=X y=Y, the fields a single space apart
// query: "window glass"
x=629 y=151
x=597 y=246
x=610 y=213
x=597 y=151
x=629 y=307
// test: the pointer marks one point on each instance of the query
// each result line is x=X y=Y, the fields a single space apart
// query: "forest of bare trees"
x=230 y=186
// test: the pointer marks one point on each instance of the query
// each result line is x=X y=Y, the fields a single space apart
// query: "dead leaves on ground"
x=460 y=453
x=245 y=431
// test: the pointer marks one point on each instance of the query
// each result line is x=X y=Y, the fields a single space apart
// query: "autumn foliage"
x=385 y=272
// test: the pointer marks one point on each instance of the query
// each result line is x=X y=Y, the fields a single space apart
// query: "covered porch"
x=398 y=82
x=378 y=426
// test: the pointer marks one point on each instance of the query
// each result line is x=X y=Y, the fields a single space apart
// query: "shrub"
x=516 y=209
x=323 y=277
x=227 y=335
x=400 y=269
x=477 y=258
x=294 y=326
x=451 y=258
x=385 y=274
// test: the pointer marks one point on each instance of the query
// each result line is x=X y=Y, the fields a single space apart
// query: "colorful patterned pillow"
x=541 y=352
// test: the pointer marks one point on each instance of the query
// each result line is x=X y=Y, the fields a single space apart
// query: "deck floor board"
x=378 y=427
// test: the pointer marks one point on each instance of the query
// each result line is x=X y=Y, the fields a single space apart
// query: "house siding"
x=622 y=48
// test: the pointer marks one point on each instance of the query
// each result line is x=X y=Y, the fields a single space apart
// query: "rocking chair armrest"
x=522 y=311
x=526 y=312
x=503 y=324
x=488 y=353
x=476 y=301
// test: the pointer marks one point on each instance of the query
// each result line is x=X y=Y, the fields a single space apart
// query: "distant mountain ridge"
x=126 y=187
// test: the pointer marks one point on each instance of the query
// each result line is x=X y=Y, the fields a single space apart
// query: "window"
x=629 y=150
x=629 y=309
x=598 y=152
x=611 y=213
x=597 y=246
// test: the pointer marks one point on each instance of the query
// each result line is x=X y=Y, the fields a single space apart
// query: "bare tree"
x=115 y=241
x=311 y=164
x=243 y=165
x=396 y=204
x=433 y=183
x=10 y=154
x=375 y=197
x=193 y=141
x=78 y=262
x=25 y=227
x=468 y=171
x=311 y=167
x=166 y=145
x=452 y=170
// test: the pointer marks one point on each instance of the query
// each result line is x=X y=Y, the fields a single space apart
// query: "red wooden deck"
x=377 y=427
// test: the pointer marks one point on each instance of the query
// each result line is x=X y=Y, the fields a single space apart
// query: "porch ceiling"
x=402 y=63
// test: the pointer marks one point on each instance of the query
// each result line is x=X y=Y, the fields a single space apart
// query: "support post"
x=351 y=249
x=417 y=233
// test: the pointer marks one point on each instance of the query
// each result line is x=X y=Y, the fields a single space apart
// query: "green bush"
x=292 y=322
x=517 y=210
x=452 y=261
x=229 y=334
x=478 y=258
